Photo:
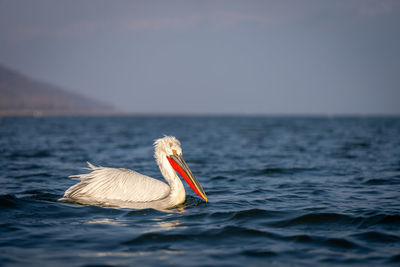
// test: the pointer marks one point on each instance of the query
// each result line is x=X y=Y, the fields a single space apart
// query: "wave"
x=285 y=171
x=236 y=216
x=317 y=219
x=228 y=234
x=383 y=181
x=26 y=198
x=377 y=237
x=273 y=171
x=29 y=154
x=8 y=201
x=342 y=220
x=34 y=175
x=209 y=235
x=270 y=171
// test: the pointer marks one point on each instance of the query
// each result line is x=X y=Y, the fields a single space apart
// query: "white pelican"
x=128 y=189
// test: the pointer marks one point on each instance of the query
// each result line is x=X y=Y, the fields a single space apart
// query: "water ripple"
x=282 y=191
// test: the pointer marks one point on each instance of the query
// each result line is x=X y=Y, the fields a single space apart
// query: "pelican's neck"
x=177 y=192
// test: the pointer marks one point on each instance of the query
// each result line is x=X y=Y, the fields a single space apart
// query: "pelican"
x=128 y=189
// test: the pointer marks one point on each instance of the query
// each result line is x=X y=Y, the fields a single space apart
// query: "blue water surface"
x=282 y=191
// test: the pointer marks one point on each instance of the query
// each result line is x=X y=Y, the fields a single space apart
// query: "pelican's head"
x=167 y=145
x=170 y=147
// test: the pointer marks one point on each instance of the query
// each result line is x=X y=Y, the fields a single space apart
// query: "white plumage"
x=129 y=189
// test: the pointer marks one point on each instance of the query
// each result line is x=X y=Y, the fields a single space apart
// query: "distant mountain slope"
x=21 y=95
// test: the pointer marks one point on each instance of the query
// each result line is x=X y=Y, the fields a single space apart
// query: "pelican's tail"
x=91 y=166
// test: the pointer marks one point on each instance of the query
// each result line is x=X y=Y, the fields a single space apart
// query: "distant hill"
x=21 y=95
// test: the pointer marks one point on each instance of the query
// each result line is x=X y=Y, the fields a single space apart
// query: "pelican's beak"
x=178 y=163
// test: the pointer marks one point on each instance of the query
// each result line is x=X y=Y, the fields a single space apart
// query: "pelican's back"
x=104 y=184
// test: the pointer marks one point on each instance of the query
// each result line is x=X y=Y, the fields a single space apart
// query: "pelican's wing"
x=116 y=184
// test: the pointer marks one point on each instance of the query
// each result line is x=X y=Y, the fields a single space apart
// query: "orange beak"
x=178 y=163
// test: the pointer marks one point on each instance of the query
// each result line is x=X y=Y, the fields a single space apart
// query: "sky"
x=212 y=57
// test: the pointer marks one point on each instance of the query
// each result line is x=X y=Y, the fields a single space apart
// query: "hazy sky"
x=268 y=57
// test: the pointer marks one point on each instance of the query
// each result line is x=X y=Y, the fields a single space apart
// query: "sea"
x=282 y=191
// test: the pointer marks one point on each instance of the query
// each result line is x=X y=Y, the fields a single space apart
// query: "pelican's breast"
x=117 y=184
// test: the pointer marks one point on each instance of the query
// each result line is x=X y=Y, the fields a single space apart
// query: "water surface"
x=282 y=191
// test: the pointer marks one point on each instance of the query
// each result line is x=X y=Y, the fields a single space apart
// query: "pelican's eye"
x=174 y=151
